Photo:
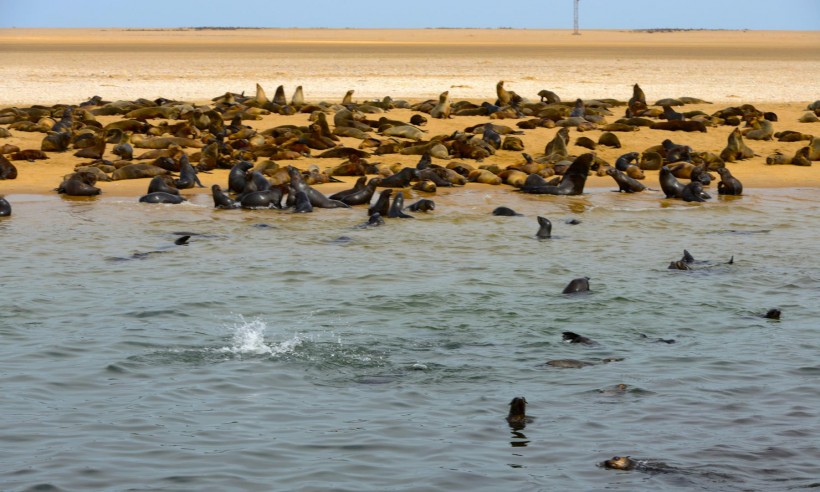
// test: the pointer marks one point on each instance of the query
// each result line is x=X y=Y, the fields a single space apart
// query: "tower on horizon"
x=575 y=17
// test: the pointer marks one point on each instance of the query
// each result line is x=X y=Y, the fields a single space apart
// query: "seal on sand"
x=693 y=192
x=7 y=169
x=442 y=109
x=79 y=184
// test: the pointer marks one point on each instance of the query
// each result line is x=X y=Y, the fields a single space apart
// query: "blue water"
x=299 y=352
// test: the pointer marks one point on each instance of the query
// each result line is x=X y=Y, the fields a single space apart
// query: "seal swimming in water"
x=5 y=207
x=506 y=212
x=693 y=192
x=161 y=197
x=572 y=337
x=577 y=285
x=517 y=416
x=423 y=205
x=544 y=228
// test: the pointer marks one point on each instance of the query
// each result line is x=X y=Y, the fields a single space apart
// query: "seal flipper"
x=182 y=241
x=396 y=209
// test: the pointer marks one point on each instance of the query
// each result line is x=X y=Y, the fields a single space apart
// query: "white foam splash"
x=249 y=339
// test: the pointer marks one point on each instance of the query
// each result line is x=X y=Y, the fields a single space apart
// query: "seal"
x=423 y=205
x=271 y=198
x=396 y=210
x=161 y=197
x=401 y=179
x=577 y=285
x=506 y=212
x=187 y=175
x=5 y=207
x=7 y=169
x=670 y=185
x=572 y=182
x=236 y=177
x=358 y=186
x=303 y=205
x=773 y=313
x=693 y=192
x=79 y=184
x=544 y=228
x=159 y=183
x=442 y=109
x=382 y=205
x=625 y=183
x=517 y=417
x=374 y=220
x=317 y=199
x=572 y=337
x=728 y=184
x=221 y=200
x=620 y=463
x=362 y=196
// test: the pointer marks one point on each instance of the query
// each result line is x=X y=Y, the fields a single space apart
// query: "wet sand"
x=775 y=71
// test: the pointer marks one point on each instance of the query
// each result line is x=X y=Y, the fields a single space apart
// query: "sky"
x=530 y=14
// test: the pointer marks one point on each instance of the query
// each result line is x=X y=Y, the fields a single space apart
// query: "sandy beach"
x=727 y=68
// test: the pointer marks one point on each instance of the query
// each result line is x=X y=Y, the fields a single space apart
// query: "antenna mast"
x=575 y=17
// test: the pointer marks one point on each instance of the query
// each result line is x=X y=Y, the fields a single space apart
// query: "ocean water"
x=299 y=352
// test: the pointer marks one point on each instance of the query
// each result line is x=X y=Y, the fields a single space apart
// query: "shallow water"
x=298 y=352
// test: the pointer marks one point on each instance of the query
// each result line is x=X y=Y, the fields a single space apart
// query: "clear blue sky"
x=534 y=14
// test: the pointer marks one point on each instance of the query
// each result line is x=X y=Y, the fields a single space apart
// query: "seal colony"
x=112 y=141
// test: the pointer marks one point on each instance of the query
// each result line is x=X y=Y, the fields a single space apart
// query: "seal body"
x=544 y=228
x=161 y=197
x=5 y=207
x=577 y=285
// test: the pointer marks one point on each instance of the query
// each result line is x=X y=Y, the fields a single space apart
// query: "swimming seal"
x=772 y=314
x=423 y=205
x=577 y=285
x=161 y=197
x=572 y=337
x=506 y=212
x=5 y=207
x=620 y=463
x=544 y=228
x=517 y=416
